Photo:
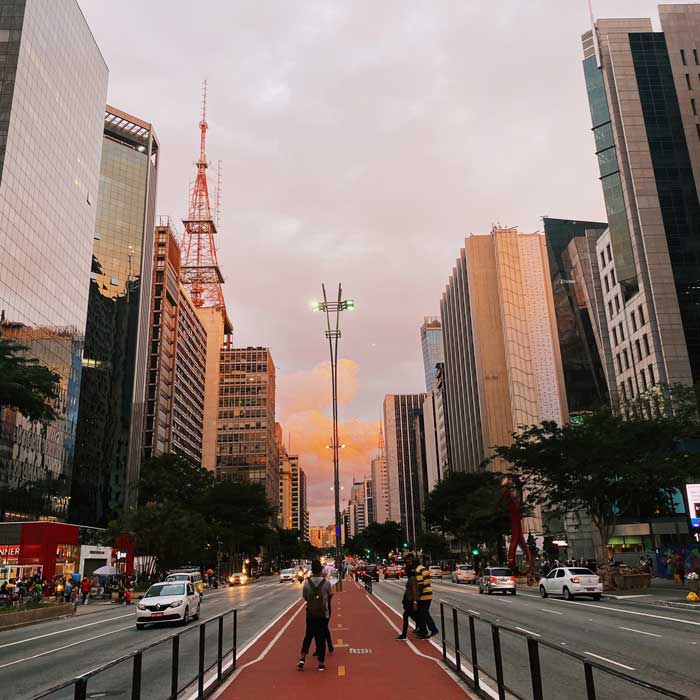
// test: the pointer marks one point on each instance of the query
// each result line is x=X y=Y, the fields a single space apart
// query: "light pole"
x=333 y=335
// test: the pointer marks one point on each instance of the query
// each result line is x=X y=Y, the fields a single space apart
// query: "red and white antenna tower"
x=200 y=268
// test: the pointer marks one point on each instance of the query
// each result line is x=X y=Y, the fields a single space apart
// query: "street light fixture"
x=333 y=334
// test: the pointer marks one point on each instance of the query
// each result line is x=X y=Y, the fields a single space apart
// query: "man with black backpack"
x=317 y=592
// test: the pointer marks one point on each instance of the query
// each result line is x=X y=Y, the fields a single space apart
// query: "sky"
x=361 y=141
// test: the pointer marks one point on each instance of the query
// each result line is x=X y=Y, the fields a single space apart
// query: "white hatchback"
x=287 y=575
x=571 y=582
x=170 y=601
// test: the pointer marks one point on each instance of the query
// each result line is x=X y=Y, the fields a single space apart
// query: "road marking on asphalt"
x=554 y=612
x=63 y=631
x=649 y=634
x=341 y=670
x=622 y=610
x=610 y=661
x=622 y=597
x=522 y=629
x=67 y=646
x=473 y=611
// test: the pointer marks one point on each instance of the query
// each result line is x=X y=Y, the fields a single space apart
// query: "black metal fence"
x=462 y=653
x=181 y=661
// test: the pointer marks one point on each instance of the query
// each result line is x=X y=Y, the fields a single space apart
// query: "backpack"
x=315 y=604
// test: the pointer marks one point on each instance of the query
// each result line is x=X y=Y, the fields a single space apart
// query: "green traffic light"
x=475 y=552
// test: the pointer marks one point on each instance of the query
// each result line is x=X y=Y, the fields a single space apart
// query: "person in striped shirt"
x=426 y=625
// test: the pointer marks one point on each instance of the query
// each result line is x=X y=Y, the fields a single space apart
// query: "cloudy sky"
x=361 y=140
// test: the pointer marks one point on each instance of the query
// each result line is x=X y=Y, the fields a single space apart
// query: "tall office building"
x=361 y=505
x=643 y=91
x=247 y=444
x=502 y=362
x=433 y=468
x=322 y=536
x=581 y=327
x=284 y=514
x=405 y=480
x=300 y=508
x=49 y=179
x=380 y=482
x=177 y=357
x=433 y=350
x=109 y=444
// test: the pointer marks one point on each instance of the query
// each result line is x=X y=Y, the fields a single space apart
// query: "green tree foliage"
x=470 y=507
x=185 y=515
x=25 y=385
x=378 y=538
x=291 y=545
x=607 y=466
x=433 y=545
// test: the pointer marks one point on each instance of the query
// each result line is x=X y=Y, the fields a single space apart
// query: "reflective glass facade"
x=433 y=349
x=50 y=141
x=112 y=396
x=610 y=178
x=673 y=173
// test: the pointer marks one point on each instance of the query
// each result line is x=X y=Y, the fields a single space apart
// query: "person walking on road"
x=85 y=589
x=410 y=601
x=427 y=626
x=317 y=592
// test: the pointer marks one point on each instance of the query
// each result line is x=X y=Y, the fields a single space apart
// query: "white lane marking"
x=554 y=612
x=240 y=652
x=486 y=688
x=622 y=597
x=473 y=611
x=578 y=603
x=610 y=661
x=528 y=632
x=63 y=631
x=649 y=634
x=67 y=646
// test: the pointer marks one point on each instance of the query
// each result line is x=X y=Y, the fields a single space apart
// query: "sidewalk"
x=367 y=659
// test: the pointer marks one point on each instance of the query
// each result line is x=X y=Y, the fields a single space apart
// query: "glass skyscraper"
x=433 y=349
x=109 y=446
x=50 y=148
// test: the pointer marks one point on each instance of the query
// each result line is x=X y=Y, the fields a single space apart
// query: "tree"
x=605 y=465
x=433 y=545
x=173 y=477
x=26 y=385
x=470 y=507
x=380 y=538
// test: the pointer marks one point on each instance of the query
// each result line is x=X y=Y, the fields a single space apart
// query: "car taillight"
x=512 y=578
x=492 y=579
x=575 y=579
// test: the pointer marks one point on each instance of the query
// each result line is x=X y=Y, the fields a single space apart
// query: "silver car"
x=170 y=601
x=497 y=578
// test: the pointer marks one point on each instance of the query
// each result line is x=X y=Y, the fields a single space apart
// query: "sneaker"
x=322 y=667
x=300 y=664
x=402 y=637
x=424 y=636
x=432 y=634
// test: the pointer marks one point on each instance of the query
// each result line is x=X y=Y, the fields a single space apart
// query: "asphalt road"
x=41 y=656
x=652 y=643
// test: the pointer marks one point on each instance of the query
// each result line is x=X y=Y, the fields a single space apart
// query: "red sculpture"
x=513 y=502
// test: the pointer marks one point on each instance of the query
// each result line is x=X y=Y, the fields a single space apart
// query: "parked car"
x=497 y=578
x=170 y=601
x=435 y=572
x=287 y=575
x=571 y=582
x=463 y=573
x=238 y=578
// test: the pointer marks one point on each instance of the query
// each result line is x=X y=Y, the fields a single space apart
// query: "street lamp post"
x=333 y=334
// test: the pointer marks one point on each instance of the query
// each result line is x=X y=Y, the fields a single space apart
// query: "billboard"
x=693 y=493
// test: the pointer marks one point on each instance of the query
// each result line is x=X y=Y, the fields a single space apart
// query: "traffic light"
x=405 y=544
x=475 y=551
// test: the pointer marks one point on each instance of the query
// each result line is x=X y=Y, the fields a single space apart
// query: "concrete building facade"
x=642 y=94
x=300 y=508
x=247 y=446
x=502 y=362
x=49 y=181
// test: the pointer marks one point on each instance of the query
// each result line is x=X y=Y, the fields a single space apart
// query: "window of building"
x=627 y=358
x=630 y=388
x=612 y=276
x=615 y=336
x=651 y=375
x=642 y=321
x=634 y=322
x=683 y=57
x=645 y=340
x=695 y=56
x=619 y=363
x=623 y=391
x=602 y=252
x=622 y=332
x=610 y=309
x=687 y=81
x=638 y=345
x=643 y=375
x=694 y=108
x=607 y=247
x=607 y=284
x=697 y=128
x=617 y=304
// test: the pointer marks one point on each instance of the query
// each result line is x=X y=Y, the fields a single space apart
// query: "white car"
x=170 y=601
x=435 y=572
x=463 y=573
x=287 y=575
x=571 y=582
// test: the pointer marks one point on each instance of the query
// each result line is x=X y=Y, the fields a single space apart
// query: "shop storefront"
x=50 y=549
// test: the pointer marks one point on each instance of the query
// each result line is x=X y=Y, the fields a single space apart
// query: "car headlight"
x=230 y=579
x=176 y=604
x=141 y=606
x=244 y=579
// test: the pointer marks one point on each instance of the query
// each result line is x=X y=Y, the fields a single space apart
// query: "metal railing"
x=223 y=664
x=467 y=655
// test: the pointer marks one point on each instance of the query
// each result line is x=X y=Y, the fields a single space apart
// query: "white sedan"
x=175 y=601
x=571 y=582
x=463 y=573
x=287 y=575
